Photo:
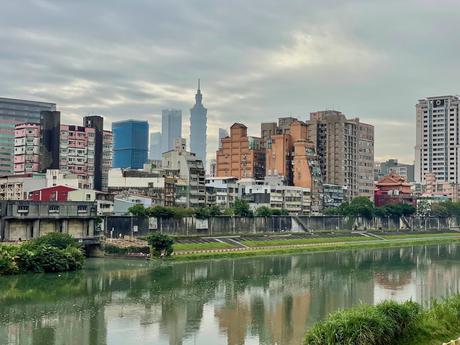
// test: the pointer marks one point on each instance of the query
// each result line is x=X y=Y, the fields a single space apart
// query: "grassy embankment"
x=390 y=323
x=344 y=245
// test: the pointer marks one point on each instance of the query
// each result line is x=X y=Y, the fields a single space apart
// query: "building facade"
x=223 y=133
x=240 y=155
x=190 y=174
x=130 y=144
x=171 y=128
x=437 y=138
x=198 y=127
x=345 y=149
x=70 y=149
x=392 y=165
x=12 y=112
x=27 y=148
x=155 y=146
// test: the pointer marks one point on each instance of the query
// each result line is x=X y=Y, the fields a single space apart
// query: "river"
x=265 y=300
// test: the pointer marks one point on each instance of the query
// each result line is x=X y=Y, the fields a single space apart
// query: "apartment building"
x=12 y=112
x=240 y=155
x=190 y=173
x=437 y=138
x=84 y=151
x=345 y=149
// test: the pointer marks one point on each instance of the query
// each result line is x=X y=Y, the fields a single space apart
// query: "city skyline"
x=309 y=57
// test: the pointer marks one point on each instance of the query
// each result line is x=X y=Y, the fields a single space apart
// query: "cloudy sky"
x=258 y=59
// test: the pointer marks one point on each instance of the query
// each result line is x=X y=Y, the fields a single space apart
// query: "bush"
x=383 y=324
x=160 y=244
x=54 y=252
x=55 y=239
x=7 y=263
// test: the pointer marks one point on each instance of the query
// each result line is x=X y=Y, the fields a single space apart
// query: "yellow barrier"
x=453 y=342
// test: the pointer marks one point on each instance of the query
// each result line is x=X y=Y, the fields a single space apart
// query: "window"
x=82 y=209
x=53 y=209
x=22 y=209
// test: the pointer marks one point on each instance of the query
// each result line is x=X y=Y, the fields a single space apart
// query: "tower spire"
x=198 y=84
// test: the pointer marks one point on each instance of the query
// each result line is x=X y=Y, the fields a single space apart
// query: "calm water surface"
x=269 y=300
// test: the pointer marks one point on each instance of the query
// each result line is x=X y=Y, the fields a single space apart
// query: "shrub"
x=55 y=239
x=160 y=244
x=7 y=263
x=383 y=324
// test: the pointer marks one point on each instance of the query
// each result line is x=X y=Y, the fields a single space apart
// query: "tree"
x=264 y=211
x=138 y=210
x=214 y=211
x=160 y=244
x=361 y=206
x=439 y=209
x=160 y=212
x=279 y=212
x=202 y=213
x=241 y=208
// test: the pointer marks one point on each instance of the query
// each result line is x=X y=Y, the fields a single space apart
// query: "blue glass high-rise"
x=130 y=144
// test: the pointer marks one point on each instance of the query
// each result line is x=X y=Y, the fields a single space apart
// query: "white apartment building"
x=437 y=139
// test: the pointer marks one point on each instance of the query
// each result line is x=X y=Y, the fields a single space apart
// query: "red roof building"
x=56 y=193
x=393 y=189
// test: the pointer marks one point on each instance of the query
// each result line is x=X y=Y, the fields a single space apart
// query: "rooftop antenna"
x=198 y=83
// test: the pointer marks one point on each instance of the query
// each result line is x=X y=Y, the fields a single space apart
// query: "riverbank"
x=390 y=323
x=242 y=247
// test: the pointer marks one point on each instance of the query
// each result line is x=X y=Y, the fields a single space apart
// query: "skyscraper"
x=155 y=146
x=223 y=133
x=130 y=143
x=437 y=138
x=345 y=149
x=198 y=126
x=12 y=112
x=171 y=128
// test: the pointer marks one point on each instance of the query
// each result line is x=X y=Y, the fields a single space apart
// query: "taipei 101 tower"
x=198 y=126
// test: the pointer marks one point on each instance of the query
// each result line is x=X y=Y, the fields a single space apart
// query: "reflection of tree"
x=273 y=298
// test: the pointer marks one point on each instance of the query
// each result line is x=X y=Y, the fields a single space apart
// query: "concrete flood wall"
x=117 y=226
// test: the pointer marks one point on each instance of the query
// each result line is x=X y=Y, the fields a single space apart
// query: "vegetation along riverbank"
x=390 y=323
x=54 y=252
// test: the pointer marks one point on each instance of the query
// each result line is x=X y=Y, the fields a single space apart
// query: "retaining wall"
x=116 y=226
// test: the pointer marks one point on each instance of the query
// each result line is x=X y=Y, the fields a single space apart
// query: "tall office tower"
x=97 y=122
x=50 y=125
x=130 y=144
x=345 y=149
x=171 y=128
x=223 y=133
x=240 y=155
x=437 y=139
x=12 y=112
x=198 y=126
x=107 y=158
x=155 y=146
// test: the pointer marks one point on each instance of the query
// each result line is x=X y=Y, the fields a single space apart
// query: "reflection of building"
x=240 y=155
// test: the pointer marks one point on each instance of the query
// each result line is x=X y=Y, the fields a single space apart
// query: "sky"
x=257 y=59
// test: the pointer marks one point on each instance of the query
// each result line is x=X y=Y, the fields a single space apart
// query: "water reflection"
x=270 y=300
